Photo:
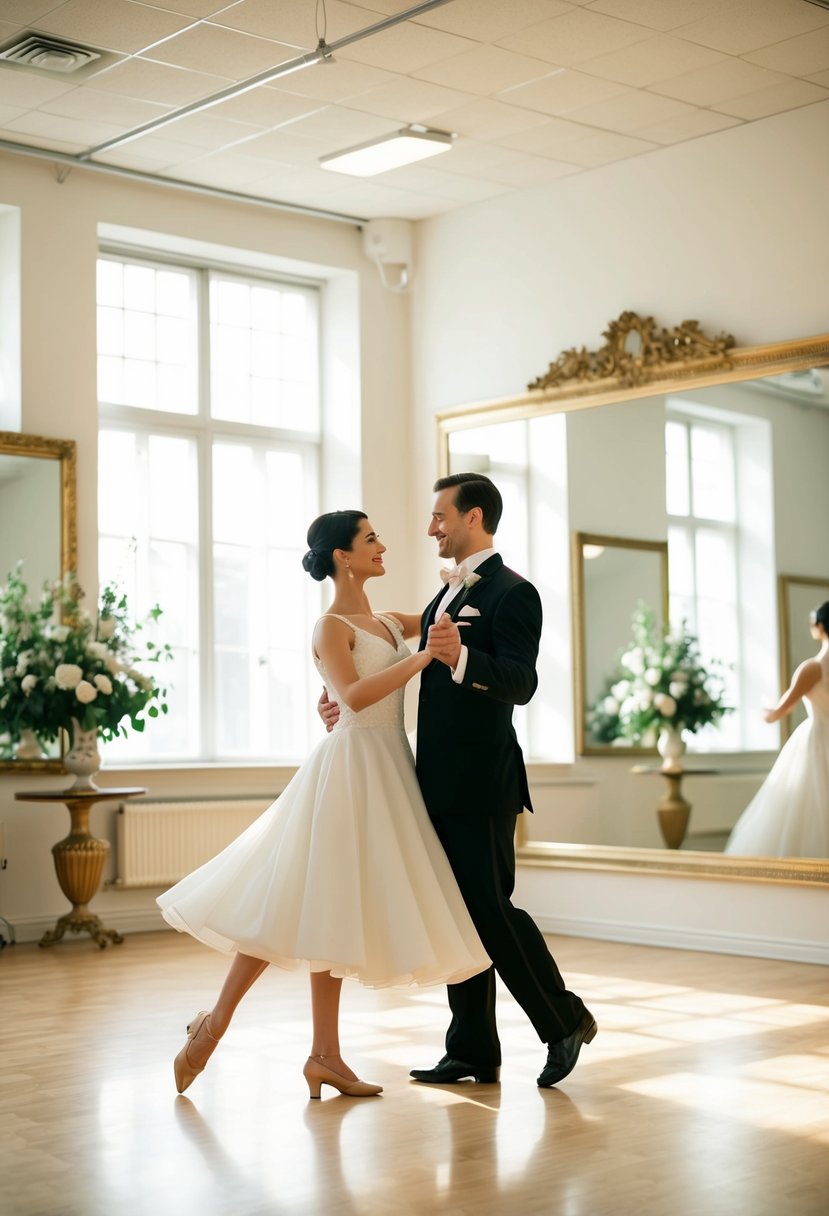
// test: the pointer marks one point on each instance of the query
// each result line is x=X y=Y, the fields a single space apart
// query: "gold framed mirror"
x=612 y=575
x=38 y=507
x=797 y=596
x=659 y=370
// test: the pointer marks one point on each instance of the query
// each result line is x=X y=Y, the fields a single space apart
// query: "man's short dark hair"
x=475 y=490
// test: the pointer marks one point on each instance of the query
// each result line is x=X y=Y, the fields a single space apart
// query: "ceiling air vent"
x=43 y=53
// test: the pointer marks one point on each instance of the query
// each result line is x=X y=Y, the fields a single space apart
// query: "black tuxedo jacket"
x=468 y=758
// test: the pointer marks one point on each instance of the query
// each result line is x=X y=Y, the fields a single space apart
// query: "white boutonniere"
x=471 y=580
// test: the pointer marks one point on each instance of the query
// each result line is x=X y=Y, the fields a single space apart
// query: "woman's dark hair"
x=334 y=530
x=821 y=615
x=475 y=490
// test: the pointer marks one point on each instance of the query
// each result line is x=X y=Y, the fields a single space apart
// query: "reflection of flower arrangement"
x=660 y=681
x=57 y=663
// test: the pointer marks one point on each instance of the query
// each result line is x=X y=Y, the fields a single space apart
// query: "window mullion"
x=207 y=663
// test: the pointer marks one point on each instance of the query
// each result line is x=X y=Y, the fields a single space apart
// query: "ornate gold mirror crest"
x=641 y=359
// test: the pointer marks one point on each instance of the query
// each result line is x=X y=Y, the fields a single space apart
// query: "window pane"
x=712 y=472
x=147 y=327
x=676 y=468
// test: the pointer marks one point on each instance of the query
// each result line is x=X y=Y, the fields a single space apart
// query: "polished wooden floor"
x=706 y=1091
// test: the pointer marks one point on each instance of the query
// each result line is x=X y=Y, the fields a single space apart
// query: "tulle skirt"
x=344 y=872
x=789 y=814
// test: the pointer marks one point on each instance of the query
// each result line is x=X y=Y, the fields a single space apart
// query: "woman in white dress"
x=789 y=815
x=344 y=872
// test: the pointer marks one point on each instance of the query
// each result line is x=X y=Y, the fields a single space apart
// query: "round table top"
x=96 y=795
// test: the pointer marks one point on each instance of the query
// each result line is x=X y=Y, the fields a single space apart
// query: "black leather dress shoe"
x=448 y=1071
x=562 y=1056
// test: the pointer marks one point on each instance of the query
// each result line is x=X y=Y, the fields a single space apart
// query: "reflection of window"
x=208 y=467
x=720 y=555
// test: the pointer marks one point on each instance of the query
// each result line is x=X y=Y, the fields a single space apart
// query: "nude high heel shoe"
x=317 y=1074
x=186 y=1072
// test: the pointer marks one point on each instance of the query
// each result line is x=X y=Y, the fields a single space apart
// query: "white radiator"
x=159 y=842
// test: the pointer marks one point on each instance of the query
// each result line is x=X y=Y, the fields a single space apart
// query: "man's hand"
x=328 y=710
x=444 y=641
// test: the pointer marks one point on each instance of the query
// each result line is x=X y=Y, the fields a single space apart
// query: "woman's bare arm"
x=804 y=679
x=333 y=641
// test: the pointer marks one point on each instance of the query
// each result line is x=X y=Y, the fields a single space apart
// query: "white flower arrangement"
x=471 y=580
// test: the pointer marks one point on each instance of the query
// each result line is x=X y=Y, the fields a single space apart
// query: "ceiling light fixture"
x=404 y=147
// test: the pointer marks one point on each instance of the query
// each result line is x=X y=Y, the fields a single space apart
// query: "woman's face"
x=366 y=554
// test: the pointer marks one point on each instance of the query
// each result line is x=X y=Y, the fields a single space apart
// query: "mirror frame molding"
x=12 y=443
x=674 y=360
x=579 y=540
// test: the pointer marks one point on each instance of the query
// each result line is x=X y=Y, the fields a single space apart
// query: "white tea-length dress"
x=789 y=814
x=344 y=870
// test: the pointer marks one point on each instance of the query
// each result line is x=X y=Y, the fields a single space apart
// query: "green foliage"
x=659 y=681
x=58 y=663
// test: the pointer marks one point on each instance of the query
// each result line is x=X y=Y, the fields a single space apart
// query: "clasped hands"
x=443 y=641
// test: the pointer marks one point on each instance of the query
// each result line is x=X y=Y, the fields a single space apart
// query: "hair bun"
x=314 y=564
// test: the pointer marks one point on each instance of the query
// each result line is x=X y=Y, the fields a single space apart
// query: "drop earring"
x=350 y=572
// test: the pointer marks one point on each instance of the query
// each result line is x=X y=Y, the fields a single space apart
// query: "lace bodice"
x=817 y=698
x=371 y=654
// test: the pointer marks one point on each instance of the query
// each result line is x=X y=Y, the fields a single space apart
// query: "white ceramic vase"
x=83 y=758
x=28 y=748
x=671 y=747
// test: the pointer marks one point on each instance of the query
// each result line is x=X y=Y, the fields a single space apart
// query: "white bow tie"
x=454 y=576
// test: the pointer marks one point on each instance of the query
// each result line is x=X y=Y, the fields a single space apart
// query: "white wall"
x=59 y=226
x=729 y=230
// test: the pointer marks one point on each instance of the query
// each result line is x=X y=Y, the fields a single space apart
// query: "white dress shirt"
x=471 y=563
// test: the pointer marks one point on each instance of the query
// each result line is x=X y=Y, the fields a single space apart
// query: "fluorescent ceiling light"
x=388 y=152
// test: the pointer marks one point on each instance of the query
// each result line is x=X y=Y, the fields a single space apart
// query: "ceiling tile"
x=336 y=127
x=630 y=111
x=690 y=125
x=228 y=170
x=207 y=130
x=8 y=113
x=408 y=100
x=748 y=25
x=282 y=147
x=265 y=107
x=476 y=159
x=801 y=56
x=163 y=148
x=718 y=82
x=27 y=90
x=530 y=171
x=27 y=12
x=206 y=48
x=335 y=81
x=293 y=21
x=137 y=156
x=405 y=48
x=578 y=35
x=144 y=78
x=117 y=25
x=553 y=139
x=488 y=120
x=604 y=148
x=191 y=8
x=423 y=206
x=655 y=59
x=125 y=112
x=44 y=141
x=422 y=180
x=69 y=130
x=657 y=14
x=485 y=70
x=561 y=92
x=786 y=96
x=491 y=19
x=821 y=78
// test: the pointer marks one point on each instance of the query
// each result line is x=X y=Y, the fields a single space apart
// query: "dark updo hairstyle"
x=821 y=616
x=334 y=530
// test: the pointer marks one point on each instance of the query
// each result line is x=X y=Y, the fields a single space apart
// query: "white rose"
x=103 y=684
x=667 y=706
x=620 y=690
x=644 y=700
x=652 y=677
x=106 y=626
x=23 y=660
x=610 y=705
x=28 y=683
x=85 y=692
x=676 y=689
x=97 y=649
x=112 y=665
x=68 y=675
x=60 y=633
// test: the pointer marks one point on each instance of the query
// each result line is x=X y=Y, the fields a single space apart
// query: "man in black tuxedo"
x=484 y=628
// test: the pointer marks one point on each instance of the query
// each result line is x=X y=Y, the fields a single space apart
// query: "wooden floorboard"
x=706 y=1091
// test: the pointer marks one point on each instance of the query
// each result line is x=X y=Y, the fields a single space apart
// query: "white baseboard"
x=706 y=940
x=31 y=929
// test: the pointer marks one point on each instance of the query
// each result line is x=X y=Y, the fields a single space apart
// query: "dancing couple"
x=372 y=867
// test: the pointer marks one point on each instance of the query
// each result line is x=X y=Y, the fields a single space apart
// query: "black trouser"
x=481 y=852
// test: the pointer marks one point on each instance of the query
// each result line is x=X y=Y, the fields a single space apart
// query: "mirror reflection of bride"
x=789 y=815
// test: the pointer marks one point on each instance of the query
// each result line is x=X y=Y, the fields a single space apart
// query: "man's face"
x=449 y=527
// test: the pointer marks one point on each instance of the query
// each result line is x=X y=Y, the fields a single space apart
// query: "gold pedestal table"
x=672 y=810
x=79 y=860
